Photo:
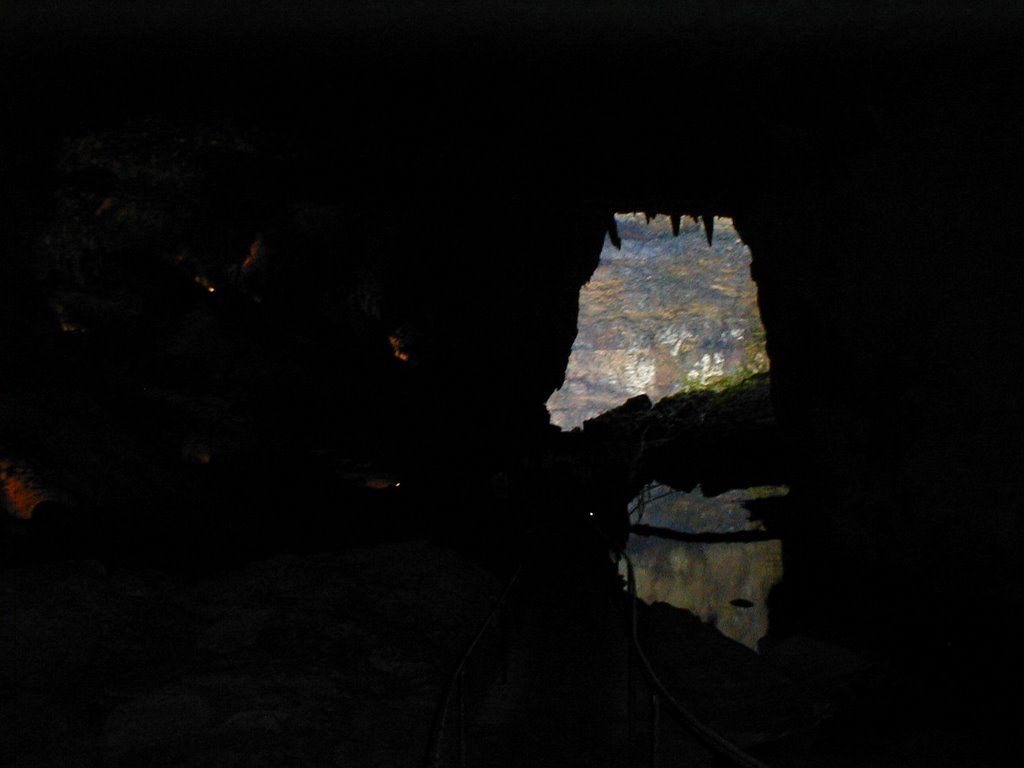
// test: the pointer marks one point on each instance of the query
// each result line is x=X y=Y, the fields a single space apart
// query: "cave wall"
x=402 y=166
x=907 y=425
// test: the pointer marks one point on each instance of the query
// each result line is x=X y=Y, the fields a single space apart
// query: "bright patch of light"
x=661 y=315
x=725 y=584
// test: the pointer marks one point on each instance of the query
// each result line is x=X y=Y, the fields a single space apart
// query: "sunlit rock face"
x=725 y=584
x=660 y=315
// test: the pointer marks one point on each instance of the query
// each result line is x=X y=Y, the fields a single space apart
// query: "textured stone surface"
x=316 y=660
x=660 y=315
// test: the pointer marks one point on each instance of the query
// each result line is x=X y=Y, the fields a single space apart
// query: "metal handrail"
x=681 y=714
x=433 y=756
x=704 y=733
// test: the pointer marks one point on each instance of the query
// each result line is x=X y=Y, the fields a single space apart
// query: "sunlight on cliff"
x=662 y=315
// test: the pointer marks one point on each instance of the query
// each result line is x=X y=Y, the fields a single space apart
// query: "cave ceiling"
x=669 y=107
x=460 y=169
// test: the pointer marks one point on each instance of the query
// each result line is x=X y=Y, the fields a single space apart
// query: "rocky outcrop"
x=903 y=427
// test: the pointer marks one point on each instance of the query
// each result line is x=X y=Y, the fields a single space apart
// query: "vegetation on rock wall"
x=661 y=314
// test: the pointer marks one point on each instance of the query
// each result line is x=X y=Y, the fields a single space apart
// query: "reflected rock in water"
x=725 y=584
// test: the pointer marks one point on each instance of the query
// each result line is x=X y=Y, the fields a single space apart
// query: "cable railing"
x=455 y=687
x=706 y=735
x=454 y=693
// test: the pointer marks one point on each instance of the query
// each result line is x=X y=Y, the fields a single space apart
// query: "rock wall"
x=870 y=161
x=907 y=425
x=662 y=313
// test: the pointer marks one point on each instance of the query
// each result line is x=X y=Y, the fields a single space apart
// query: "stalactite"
x=613 y=233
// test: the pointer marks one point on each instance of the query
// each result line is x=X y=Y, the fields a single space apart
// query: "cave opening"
x=670 y=308
x=671 y=314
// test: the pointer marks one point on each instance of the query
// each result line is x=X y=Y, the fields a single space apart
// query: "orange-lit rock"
x=397 y=348
x=23 y=490
x=106 y=205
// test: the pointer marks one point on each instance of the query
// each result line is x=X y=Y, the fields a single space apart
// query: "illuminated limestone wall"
x=661 y=315
x=726 y=585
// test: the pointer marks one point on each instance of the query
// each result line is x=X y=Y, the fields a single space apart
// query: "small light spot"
x=397 y=348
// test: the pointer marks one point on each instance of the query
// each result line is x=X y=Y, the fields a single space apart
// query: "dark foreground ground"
x=339 y=659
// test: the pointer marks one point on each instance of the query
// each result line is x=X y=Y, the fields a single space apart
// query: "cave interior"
x=282 y=284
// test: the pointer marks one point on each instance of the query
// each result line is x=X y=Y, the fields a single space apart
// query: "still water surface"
x=725 y=584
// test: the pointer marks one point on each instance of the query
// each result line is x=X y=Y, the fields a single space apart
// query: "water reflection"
x=725 y=584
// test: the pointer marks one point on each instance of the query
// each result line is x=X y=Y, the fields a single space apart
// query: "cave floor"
x=562 y=698
x=339 y=659
x=572 y=694
x=313 y=660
